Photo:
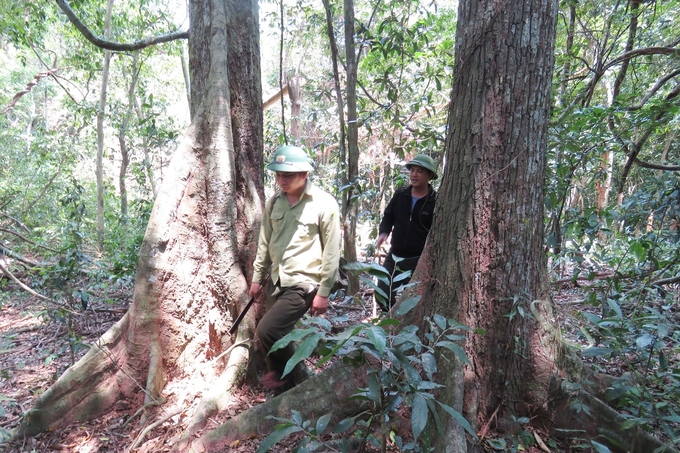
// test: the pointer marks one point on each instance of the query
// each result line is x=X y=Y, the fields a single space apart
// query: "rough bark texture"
x=325 y=393
x=195 y=260
x=484 y=259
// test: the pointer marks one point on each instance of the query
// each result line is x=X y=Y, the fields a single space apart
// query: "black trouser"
x=285 y=307
x=407 y=264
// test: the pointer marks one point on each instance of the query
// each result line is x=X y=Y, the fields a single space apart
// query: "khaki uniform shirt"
x=301 y=243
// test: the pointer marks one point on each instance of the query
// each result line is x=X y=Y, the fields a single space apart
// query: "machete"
x=245 y=309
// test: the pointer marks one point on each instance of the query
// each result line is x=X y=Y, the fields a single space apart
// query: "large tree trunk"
x=484 y=262
x=197 y=253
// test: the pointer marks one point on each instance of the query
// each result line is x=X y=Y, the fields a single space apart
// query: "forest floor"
x=36 y=348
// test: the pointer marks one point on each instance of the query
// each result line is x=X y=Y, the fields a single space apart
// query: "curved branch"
x=657 y=86
x=120 y=47
x=29 y=87
x=667 y=281
x=656 y=166
x=25 y=239
x=640 y=52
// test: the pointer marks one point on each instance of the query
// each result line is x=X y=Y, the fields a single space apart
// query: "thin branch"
x=32 y=292
x=29 y=87
x=52 y=73
x=656 y=166
x=115 y=46
x=12 y=254
x=25 y=239
x=667 y=281
x=641 y=52
x=657 y=86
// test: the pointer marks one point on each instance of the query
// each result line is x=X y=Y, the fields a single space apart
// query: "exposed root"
x=93 y=385
x=326 y=392
x=140 y=437
x=217 y=400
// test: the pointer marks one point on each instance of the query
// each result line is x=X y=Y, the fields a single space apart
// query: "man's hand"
x=382 y=238
x=319 y=305
x=255 y=290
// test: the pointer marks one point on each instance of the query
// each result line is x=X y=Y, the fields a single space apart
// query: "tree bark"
x=196 y=257
x=484 y=262
x=349 y=197
x=101 y=113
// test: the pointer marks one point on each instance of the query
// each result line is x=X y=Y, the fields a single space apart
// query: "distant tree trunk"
x=350 y=203
x=196 y=259
x=100 y=130
x=484 y=262
x=122 y=136
x=295 y=96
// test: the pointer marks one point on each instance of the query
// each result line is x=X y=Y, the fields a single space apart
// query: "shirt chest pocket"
x=308 y=226
x=277 y=222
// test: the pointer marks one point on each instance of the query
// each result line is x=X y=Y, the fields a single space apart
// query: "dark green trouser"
x=285 y=307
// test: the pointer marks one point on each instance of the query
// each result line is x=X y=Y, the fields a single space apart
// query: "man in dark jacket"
x=408 y=217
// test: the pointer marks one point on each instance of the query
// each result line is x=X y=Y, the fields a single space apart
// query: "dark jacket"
x=409 y=229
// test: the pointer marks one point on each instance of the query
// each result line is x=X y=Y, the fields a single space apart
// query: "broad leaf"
x=595 y=351
x=302 y=352
x=459 y=418
x=294 y=335
x=378 y=338
x=322 y=423
x=276 y=437
x=406 y=305
x=418 y=415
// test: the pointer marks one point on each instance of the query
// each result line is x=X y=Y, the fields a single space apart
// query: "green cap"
x=421 y=160
x=290 y=159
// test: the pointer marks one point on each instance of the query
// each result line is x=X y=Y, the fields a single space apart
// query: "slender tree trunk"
x=295 y=95
x=122 y=136
x=350 y=204
x=100 y=129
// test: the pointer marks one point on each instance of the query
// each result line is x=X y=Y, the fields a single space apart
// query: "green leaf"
x=595 y=351
x=615 y=306
x=401 y=276
x=644 y=341
x=302 y=352
x=600 y=448
x=374 y=391
x=459 y=418
x=294 y=335
x=276 y=437
x=418 y=415
x=456 y=349
x=341 y=340
x=322 y=423
x=429 y=364
x=378 y=338
x=376 y=288
x=343 y=425
x=440 y=321
x=406 y=305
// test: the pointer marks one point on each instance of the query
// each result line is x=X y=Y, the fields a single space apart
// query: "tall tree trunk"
x=122 y=136
x=484 y=262
x=100 y=129
x=350 y=203
x=195 y=262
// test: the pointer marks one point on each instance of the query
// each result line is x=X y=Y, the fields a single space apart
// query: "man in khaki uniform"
x=299 y=245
